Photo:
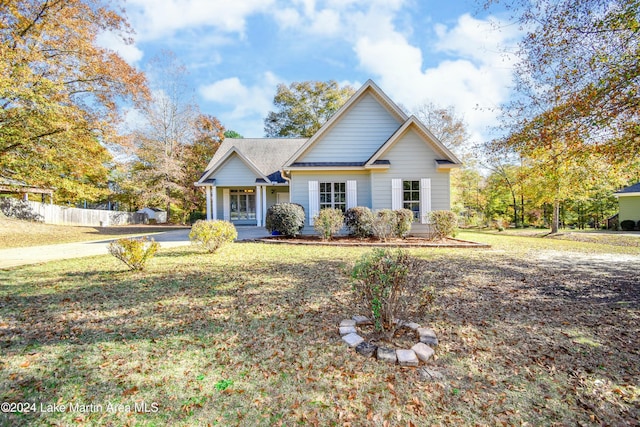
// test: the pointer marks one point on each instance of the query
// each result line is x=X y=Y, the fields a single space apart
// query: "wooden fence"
x=63 y=215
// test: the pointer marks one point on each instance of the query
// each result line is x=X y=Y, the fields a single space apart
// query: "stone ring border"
x=404 y=357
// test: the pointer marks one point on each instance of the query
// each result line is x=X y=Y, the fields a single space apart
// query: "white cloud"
x=249 y=104
x=129 y=52
x=475 y=84
x=154 y=20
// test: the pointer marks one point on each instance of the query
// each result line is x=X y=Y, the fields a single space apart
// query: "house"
x=629 y=202
x=155 y=214
x=370 y=153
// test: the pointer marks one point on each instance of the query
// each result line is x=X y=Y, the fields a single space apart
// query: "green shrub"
x=196 y=215
x=628 y=225
x=402 y=226
x=328 y=222
x=211 y=235
x=382 y=280
x=384 y=224
x=285 y=218
x=443 y=223
x=134 y=252
x=359 y=221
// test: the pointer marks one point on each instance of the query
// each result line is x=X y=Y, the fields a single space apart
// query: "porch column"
x=259 y=205
x=264 y=204
x=214 y=202
x=207 y=191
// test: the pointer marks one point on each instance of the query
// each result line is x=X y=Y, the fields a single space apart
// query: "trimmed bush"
x=444 y=224
x=285 y=218
x=381 y=282
x=628 y=225
x=211 y=235
x=384 y=224
x=404 y=219
x=134 y=252
x=328 y=222
x=359 y=221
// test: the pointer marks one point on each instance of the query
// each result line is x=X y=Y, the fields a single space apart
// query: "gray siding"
x=358 y=134
x=411 y=159
x=300 y=185
x=235 y=173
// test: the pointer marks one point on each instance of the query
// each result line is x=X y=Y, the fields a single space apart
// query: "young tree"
x=303 y=107
x=161 y=142
x=59 y=91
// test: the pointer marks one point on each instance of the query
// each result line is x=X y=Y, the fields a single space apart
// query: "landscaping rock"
x=423 y=351
x=427 y=336
x=344 y=330
x=366 y=349
x=407 y=358
x=412 y=325
x=362 y=320
x=348 y=322
x=353 y=339
x=386 y=354
x=429 y=375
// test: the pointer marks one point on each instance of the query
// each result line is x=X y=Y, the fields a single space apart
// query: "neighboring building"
x=370 y=153
x=629 y=202
x=158 y=215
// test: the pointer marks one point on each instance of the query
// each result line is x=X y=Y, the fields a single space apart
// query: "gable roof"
x=632 y=190
x=368 y=88
x=264 y=155
x=449 y=159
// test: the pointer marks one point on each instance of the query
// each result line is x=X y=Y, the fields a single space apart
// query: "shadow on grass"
x=275 y=322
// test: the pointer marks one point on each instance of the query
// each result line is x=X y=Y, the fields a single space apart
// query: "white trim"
x=396 y=194
x=352 y=194
x=264 y=204
x=207 y=192
x=426 y=135
x=626 y=194
x=258 y=205
x=314 y=200
x=214 y=202
x=226 y=205
x=425 y=200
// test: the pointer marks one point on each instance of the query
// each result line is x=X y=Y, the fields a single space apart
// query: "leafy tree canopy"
x=303 y=107
x=59 y=91
x=232 y=134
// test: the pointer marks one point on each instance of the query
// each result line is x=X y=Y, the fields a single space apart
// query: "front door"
x=282 y=197
x=242 y=206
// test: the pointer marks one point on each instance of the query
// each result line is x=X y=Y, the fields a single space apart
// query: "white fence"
x=62 y=215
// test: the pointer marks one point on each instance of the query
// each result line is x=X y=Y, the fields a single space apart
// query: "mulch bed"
x=373 y=242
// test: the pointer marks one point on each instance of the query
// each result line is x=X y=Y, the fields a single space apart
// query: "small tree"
x=134 y=252
x=328 y=222
x=211 y=235
x=381 y=280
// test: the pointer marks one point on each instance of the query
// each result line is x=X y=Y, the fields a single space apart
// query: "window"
x=411 y=197
x=333 y=195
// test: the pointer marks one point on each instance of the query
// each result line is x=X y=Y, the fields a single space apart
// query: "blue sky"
x=236 y=52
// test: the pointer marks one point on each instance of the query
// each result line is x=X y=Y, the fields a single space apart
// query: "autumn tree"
x=59 y=93
x=209 y=134
x=445 y=124
x=303 y=107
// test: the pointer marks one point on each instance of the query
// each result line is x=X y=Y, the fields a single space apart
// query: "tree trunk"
x=556 y=216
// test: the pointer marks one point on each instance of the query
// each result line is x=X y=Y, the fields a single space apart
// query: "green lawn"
x=529 y=333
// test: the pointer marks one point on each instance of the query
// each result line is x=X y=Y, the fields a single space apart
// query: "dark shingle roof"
x=635 y=188
x=267 y=154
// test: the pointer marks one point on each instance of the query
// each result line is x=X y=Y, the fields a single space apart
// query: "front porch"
x=243 y=206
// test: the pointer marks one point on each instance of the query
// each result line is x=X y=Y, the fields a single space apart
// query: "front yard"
x=532 y=331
